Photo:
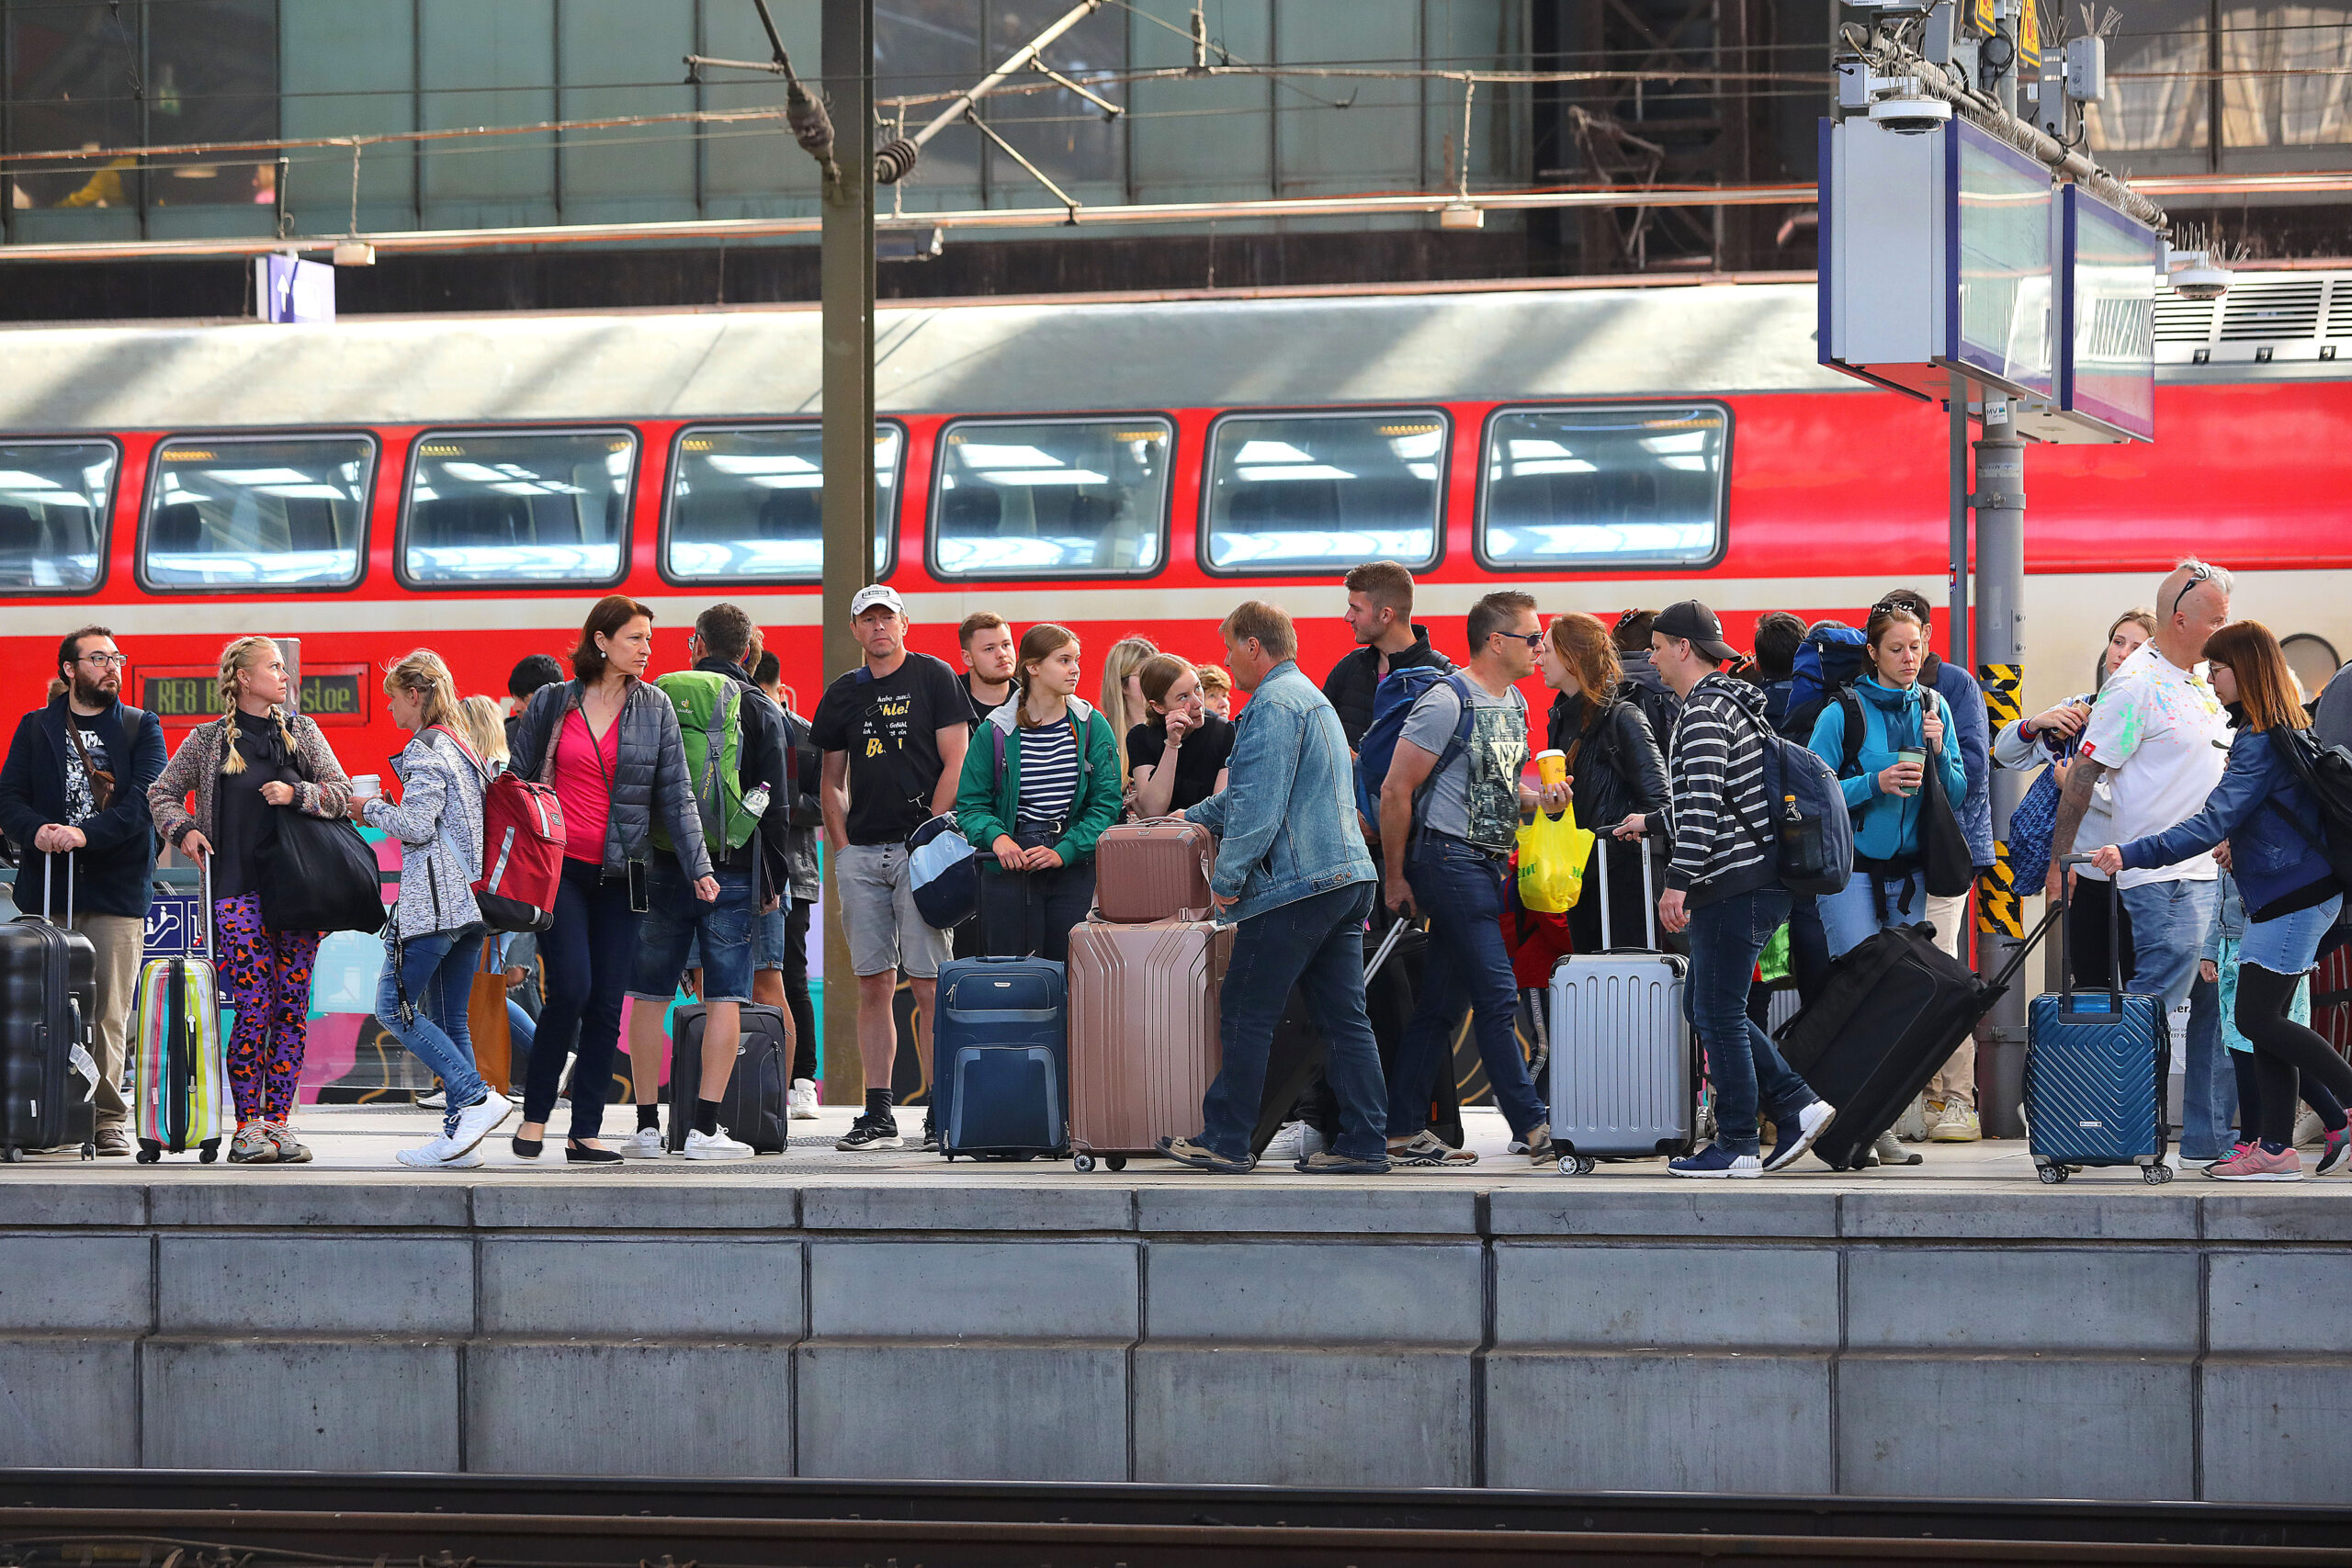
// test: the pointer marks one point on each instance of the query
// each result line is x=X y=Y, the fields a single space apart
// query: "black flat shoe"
x=528 y=1148
x=574 y=1155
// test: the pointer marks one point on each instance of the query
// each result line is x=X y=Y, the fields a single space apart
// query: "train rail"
x=184 y=1520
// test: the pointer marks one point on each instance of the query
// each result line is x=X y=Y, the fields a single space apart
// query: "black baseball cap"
x=1688 y=618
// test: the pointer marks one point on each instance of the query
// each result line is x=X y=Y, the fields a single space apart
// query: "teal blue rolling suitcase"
x=1000 y=1083
x=2095 y=1069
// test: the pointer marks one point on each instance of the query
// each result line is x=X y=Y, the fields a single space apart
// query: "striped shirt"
x=1048 y=771
x=1720 y=815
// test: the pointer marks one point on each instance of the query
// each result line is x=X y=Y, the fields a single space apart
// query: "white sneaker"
x=714 y=1145
x=477 y=1121
x=802 y=1099
x=643 y=1144
x=1296 y=1142
x=439 y=1154
x=434 y=1098
x=2309 y=1128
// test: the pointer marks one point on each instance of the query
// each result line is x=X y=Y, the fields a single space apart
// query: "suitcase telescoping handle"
x=1606 y=843
x=47 y=887
x=1387 y=945
x=2066 y=1013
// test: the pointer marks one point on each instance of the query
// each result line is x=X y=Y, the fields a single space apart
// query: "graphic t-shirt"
x=2160 y=732
x=1474 y=796
x=889 y=726
x=81 y=800
x=1205 y=751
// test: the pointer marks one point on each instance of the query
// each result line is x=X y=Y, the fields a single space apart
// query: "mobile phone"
x=637 y=901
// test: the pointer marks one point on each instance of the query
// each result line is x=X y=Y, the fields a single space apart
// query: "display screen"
x=2113 y=263
x=1999 y=251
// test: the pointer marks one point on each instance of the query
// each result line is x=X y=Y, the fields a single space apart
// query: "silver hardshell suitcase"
x=1625 y=1066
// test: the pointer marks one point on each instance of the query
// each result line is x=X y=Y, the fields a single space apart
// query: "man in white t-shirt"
x=2160 y=740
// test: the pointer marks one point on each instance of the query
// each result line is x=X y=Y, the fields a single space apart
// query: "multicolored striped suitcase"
x=180 y=1080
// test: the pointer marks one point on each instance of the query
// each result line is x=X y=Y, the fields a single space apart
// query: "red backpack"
x=522 y=848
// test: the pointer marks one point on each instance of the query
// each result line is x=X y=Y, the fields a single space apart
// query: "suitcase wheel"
x=2051 y=1175
x=1578 y=1164
x=13 y=1155
x=89 y=1151
x=210 y=1153
x=1082 y=1163
x=149 y=1154
x=1116 y=1162
x=2155 y=1175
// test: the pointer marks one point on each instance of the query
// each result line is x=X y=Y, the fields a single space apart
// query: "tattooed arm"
x=2073 y=799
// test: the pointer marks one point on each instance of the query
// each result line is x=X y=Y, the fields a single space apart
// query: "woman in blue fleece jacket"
x=2291 y=896
x=1897 y=714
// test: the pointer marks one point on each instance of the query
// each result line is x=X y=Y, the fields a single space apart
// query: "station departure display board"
x=1998 y=245
x=2107 y=358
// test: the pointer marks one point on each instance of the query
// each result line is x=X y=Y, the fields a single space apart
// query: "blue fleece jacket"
x=1886 y=827
x=2277 y=864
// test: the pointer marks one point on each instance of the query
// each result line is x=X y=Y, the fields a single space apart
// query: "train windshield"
x=54 y=502
x=750 y=503
x=277 y=512
x=518 y=506
x=1604 y=487
x=1317 y=490
x=1066 y=496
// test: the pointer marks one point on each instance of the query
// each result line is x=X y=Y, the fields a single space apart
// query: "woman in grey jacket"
x=436 y=941
x=609 y=744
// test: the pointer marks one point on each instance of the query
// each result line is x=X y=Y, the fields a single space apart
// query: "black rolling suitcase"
x=753 y=1109
x=1295 y=1055
x=1889 y=1015
x=48 y=998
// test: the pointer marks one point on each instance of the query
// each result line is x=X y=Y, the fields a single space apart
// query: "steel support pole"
x=847 y=269
x=2000 y=645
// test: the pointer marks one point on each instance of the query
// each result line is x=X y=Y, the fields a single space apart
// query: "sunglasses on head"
x=2197 y=574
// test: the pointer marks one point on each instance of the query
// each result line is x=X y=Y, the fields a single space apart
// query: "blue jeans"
x=438 y=969
x=1851 y=914
x=678 y=928
x=1315 y=943
x=587 y=952
x=1461 y=893
x=1726 y=938
x=2169 y=923
x=2209 y=1096
x=520 y=1027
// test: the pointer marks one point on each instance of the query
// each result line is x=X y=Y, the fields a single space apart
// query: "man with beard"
x=75 y=785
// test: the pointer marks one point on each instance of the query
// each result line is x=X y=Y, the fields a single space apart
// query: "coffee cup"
x=366 y=786
x=1916 y=758
x=1552 y=768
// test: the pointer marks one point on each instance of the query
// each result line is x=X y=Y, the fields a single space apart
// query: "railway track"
x=181 y=1519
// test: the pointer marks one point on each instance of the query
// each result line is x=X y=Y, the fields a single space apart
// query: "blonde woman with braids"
x=434 y=943
x=1123 y=706
x=254 y=761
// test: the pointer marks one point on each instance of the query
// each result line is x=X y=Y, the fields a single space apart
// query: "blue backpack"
x=1391 y=700
x=1829 y=658
x=1811 y=834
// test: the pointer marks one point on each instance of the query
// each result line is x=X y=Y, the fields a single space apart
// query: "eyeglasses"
x=1533 y=639
x=2197 y=573
x=105 y=661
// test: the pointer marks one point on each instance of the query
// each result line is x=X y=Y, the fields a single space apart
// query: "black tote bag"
x=1944 y=861
x=319 y=874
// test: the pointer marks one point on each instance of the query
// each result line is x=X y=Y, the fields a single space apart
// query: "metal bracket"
x=1995 y=501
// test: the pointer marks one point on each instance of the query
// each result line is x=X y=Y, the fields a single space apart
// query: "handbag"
x=318 y=874
x=1944 y=862
x=2032 y=824
x=1552 y=854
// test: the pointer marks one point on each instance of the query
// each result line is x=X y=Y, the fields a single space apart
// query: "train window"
x=1319 y=490
x=518 y=506
x=1604 y=487
x=277 y=511
x=748 y=504
x=55 y=498
x=1050 y=497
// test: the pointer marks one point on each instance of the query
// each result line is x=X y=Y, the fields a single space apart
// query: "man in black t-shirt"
x=893 y=732
x=986 y=642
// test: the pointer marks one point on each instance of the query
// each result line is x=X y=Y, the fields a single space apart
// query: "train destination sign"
x=334 y=695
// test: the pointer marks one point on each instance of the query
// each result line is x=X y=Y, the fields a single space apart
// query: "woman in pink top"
x=608 y=743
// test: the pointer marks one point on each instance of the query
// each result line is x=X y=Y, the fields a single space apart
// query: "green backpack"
x=710 y=719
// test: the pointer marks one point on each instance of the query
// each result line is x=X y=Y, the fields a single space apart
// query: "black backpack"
x=2325 y=773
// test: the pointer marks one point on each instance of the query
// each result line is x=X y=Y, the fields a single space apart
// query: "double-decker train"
x=472 y=483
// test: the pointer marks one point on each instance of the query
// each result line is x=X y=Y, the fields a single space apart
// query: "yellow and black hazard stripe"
x=1997 y=910
x=2002 y=683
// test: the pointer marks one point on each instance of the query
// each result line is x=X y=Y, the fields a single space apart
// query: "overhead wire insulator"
x=894 y=161
x=811 y=126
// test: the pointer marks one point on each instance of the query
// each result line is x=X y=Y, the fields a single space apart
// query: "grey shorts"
x=879 y=918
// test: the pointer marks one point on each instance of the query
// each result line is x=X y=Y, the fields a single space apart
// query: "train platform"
x=1955 y=1329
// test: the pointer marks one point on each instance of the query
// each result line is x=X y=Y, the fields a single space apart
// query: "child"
x=2220 y=964
x=1217 y=690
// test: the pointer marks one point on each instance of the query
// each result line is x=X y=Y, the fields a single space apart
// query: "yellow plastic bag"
x=1553 y=852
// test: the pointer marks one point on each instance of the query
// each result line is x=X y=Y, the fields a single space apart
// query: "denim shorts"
x=674 y=919
x=767 y=937
x=2290 y=945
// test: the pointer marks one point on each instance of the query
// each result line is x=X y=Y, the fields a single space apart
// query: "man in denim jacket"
x=1293 y=877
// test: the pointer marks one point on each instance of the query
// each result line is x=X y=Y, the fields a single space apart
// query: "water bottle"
x=756 y=801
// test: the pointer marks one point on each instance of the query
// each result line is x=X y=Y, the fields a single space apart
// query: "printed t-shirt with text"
x=2160 y=733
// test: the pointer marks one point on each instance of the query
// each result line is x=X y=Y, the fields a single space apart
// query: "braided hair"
x=239 y=656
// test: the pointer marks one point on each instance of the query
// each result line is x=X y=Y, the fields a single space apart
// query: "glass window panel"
x=1611 y=487
x=2156 y=89
x=2287 y=75
x=750 y=503
x=518 y=506
x=214 y=70
x=70 y=74
x=751 y=167
x=269 y=514
x=1374 y=142
x=630 y=173
x=1058 y=131
x=1074 y=496
x=1202 y=138
x=1316 y=489
x=487 y=65
x=350 y=67
x=54 y=500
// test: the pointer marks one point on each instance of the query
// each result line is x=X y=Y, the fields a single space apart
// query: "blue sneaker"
x=1715 y=1161
x=1811 y=1123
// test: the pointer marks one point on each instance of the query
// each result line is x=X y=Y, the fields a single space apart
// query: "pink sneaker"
x=2255 y=1163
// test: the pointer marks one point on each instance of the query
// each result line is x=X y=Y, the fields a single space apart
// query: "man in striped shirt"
x=1723 y=887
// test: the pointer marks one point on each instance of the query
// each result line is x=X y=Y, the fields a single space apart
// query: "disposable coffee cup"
x=366 y=786
x=1917 y=759
x=1552 y=768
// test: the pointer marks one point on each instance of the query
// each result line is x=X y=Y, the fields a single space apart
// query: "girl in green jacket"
x=1041 y=782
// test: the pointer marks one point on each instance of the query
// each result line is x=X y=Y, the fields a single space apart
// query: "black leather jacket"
x=652 y=767
x=1619 y=770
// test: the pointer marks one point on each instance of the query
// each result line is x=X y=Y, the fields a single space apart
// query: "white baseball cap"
x=874 y=594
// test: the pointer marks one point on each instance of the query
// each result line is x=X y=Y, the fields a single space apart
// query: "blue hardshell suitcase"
x=1000 y=1083
x=2095 y=1069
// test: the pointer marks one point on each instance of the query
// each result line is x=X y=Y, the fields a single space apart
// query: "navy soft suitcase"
x=1000 y=1083
x=2095 y=1071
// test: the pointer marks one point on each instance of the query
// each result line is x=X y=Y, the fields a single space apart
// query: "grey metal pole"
x=1956 y=618
x=2000 y=644
x=846 y=268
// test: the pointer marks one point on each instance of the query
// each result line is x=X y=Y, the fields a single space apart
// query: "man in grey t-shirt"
x=1450 y=865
